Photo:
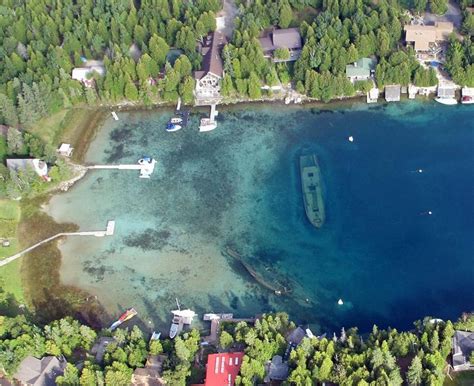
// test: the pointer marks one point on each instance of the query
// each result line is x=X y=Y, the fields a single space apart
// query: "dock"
x=109 y=231
x=215 y=324
x=114 y=115
x=146 y=166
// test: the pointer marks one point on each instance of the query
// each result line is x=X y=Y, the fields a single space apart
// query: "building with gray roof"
x=392 y=93
x=289 y=38
x=463 y=348
x=40 y=372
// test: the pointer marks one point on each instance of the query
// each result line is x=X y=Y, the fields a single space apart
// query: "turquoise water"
x=239 y=186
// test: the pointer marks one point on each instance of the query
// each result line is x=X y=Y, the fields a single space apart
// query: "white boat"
x=207 y=125
x=176 y=120
x=447 y=101
x=174 y=328
x=173 y=127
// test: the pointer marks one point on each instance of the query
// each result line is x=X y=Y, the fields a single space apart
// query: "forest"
x=381 y=357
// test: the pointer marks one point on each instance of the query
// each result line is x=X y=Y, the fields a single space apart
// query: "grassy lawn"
x=10 y=279
x=49 y=129
x=9 y=218
x=464 y=378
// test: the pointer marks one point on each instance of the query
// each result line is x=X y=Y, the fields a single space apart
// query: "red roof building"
x=223 y=368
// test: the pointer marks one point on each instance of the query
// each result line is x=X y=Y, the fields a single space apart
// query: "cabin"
x=276 y=370
x=85 y=74
x=296 y=336
x=39 y=372
x=22 y=164
x=65 y=149
x=222 y=369
x=392 y=93
x=150 y=375
x=424 y=37
x=463 y=347
x=208 y=79
x=363 y=69
x=287 y=38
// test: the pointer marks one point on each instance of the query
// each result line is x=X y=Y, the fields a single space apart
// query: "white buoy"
x=340 y=302
x=351 y=138
x=430 y=212
x=420 y=170
x=115 y=116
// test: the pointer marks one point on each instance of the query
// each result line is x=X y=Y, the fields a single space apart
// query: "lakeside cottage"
x=424 y=37
x=22 y=164
x=222 y=369
x=363 y=69
x=276 y=370
x=463 y=347
x=85 y=74
x=39 y=372
x=287 y=38
x=392 y=93
x=208 y=79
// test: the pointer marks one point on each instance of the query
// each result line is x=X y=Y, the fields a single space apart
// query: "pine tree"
x=286 y=15
x=254 y=86
x=439 y=7
x=415 y=372
x=8 y=111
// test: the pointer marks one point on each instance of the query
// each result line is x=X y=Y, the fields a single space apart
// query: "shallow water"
x=239 y=186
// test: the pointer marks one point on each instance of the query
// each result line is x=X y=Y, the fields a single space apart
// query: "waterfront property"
x=282 y=39
x=424 y=37
x=363 y=69
x=463 y=349
x=65 y=150
x=39 y=372
x=276 y=369
x=208 y=79
x=392 y=93
x=24 y=164
x=85 y=74
x=222 y=368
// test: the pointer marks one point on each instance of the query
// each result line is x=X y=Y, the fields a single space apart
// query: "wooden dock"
x=108 y=232
x=215 y=324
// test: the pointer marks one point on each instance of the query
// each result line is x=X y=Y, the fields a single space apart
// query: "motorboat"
x=173 y=127
x=447 y=101
x=127 y=315
x=207 y=124
x=176 y=120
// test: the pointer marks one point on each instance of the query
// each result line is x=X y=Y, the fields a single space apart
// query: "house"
x=296 y=336
x=22 y=164
x=208 y=79
x=392 y=93
x=446 y=91
x=65 y=149
x=85 y=74
x=288 y=38
x=150 y=375
x=363 y=69
x=425 y=36
x=463 y=347
x=39 y=372
x=277 y=370
x=222 y=368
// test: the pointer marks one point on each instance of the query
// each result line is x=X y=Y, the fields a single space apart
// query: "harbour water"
x=239 y=186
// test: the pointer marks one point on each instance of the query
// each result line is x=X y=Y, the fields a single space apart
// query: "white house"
x=84 y=74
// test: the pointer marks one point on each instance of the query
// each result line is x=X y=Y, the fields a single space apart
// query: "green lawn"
x=50 y=128
x=9 y=218
x=10 y=279
x=464 y=378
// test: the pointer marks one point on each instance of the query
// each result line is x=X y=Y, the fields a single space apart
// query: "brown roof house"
x=150 y=375
x=424 y=36
x=288 y=38
x=40 y=372
x=208 y=79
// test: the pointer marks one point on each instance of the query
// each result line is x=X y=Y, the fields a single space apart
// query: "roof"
x=147 y=377
x=42 y=372
x=443 y=29
x=467 y=91
x=421 y=35
x=463 y=346
x=361 y=68
x=223 y=368
x=36 y=164
x=266 y=43
x=212 y=61
x=446 y=91
x=81 y=73
x=392 y=93
x=278 y=369
x=287 y=38
x=296 y=336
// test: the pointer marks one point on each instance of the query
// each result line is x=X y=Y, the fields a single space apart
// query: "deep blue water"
x=239 y=185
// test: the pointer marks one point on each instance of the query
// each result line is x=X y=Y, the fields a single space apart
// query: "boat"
x=180 y=318
x=467 y=100
x=207 y=124
x=176 y=120
x=174 y=328
x=312 y=191
x=127 y=315
x=173 y=127
x=447 y=101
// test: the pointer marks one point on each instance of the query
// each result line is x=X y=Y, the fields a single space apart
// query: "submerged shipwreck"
x=312 y=191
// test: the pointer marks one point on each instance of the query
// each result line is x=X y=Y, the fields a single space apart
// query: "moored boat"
x=467 y=100
x=176 y=120
x=447 y=101
x=312 y=190
x=173 y=127
x=207 y=124
x=127 y=315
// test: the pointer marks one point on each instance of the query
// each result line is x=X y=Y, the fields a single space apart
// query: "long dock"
x=108 y=232
x=146 y=166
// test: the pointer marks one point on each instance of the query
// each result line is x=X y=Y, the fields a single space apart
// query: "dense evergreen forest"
x=383 y=357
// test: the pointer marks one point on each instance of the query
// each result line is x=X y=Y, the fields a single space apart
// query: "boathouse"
x=463 y=347
x=392 y=93
x=287 y=38
x=208 y=79
x=39 y=372
x=363 y=69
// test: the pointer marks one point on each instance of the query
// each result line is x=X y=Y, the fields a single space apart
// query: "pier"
x=146 y=166
x=109 y=231
x=215 y=323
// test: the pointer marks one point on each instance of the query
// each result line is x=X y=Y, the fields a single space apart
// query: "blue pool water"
x=239 y=186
